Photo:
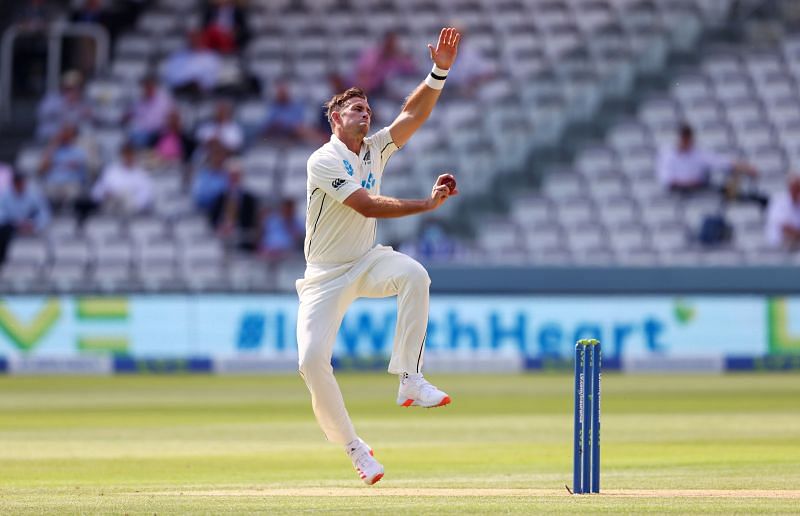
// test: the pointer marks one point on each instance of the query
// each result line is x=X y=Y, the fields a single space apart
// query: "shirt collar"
x=339 y=145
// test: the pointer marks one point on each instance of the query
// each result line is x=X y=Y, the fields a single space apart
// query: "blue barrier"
x=204 y=365
x=765 y=363
x=130 y=365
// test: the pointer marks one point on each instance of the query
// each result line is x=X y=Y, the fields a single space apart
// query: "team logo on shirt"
x=369 y=182
x=348 y=167
x=368 y=158
x=337 y=183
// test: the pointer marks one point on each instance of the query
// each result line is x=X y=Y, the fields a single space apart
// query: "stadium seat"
x=100 y=230
x=29 y=251
x=146 y=229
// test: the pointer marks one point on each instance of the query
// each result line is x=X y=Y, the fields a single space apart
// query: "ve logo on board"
x=25 y=335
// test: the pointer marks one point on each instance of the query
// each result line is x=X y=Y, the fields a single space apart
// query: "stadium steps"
x=753 y=27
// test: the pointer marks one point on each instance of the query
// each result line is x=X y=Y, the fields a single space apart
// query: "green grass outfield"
x=213 y=445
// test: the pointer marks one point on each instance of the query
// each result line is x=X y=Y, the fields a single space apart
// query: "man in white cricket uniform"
x=343 y=262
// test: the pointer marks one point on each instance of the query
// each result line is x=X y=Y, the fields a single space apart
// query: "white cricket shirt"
x=677 y=167
x=335 y=233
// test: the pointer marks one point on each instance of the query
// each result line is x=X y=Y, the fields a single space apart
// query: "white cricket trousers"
x=325 y=295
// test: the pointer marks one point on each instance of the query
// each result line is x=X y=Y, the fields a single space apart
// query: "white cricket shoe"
x=416 y=391
x=369 y=469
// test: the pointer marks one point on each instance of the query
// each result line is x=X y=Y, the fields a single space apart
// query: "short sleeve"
x=383 y=141
x=333 y=175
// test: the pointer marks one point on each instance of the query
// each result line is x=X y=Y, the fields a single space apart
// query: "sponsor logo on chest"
x=369 y=180
x=364 y=169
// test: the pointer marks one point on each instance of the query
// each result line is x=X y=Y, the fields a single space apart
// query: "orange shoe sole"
x=445 y=401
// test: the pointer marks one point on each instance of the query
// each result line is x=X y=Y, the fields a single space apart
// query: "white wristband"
x=436 y=78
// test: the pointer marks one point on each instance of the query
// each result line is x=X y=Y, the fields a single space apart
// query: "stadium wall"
x=256 y=333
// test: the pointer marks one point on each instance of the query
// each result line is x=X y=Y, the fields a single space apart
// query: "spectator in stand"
x=234 y=212
x=686 y=169
x=23 y=211
x=378 y=64
x=193 y=70
x=125 y=186
x=783 y=217
x=224 y=26
x=174 y=145
x=222 y=128
x=286 y=118
x=282 y=233
x=210 y=178
x=66 y=106
x=64 y=168
x=148 y=115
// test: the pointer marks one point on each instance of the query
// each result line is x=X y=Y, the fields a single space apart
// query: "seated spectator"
x=224 y=26
x=687 y=169
x=378 y=64
x=66 y=106
x=286 y=118
x=222 y=128
x=193 y=70
x=282 y=233
x=234 y=212
x=173 y=144
x=64 y=167
x=23 y=211
x=210 y=178
x=148 y=115
x=783 y=217
x=125 y=185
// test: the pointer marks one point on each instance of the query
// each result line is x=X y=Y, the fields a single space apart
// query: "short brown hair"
x=337 y=101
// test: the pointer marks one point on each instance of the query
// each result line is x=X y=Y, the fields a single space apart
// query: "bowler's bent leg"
x=400 y=275
x=318 y=321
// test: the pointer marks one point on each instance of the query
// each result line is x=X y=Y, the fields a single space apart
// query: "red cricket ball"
x=450 y=183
